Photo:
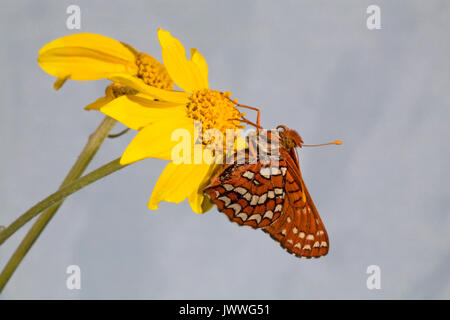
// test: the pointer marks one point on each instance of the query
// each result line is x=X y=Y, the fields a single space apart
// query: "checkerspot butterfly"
x=269 y=194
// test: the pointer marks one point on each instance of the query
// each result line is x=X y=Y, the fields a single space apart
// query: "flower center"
x=214 y=109
x=152 y=72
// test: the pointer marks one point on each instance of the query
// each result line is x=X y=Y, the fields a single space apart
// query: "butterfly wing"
x=300 y=229
x=271 y=195
x=250 y=194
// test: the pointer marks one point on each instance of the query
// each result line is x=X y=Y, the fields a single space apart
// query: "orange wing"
x=300 y=229
x=275 y=199
x=250 y=194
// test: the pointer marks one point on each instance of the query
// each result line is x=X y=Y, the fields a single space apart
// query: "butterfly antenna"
x=337 y=142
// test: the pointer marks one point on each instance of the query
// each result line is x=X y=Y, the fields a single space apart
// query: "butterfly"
x=268 y=193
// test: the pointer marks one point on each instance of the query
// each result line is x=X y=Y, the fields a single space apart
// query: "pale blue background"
x=312 y=65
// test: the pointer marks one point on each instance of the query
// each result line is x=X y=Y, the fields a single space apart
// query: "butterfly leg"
x=258 y=114
x=243 y=119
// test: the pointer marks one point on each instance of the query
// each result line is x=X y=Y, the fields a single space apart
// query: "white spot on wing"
x=225 y=200
x=254 y=201
x=248 y=174
x=243 y=216
x=265 y=172
x=236 y=208
x=278 y=191
x=228 y=187
x=262 y=198
x=256 y=217
x=240 y=190
x=268 y=215
x=275 y=171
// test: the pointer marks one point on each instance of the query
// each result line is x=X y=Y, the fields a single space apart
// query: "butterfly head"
x=289 y=138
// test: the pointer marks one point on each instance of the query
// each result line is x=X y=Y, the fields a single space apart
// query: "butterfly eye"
x=282 y=127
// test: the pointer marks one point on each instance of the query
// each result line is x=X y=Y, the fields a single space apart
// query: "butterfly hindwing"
x=250 y=194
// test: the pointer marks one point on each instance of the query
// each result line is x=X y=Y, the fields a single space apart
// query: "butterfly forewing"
x=300 y=229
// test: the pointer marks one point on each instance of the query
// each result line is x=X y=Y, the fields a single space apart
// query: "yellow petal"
x=155 y=140
x=207 y=204
x=177 y=182
x=86 y=56
x=60 y=82
x=99 y=103
x=136 y=112
x=200 y=61
x=187 y=74
x=142 y=87
x=198 y=201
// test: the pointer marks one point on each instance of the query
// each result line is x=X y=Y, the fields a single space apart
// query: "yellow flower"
x=88 y=56
x=172 y=110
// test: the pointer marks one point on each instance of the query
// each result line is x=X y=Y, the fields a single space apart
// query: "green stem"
x=90 y=149
x=50 y=201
